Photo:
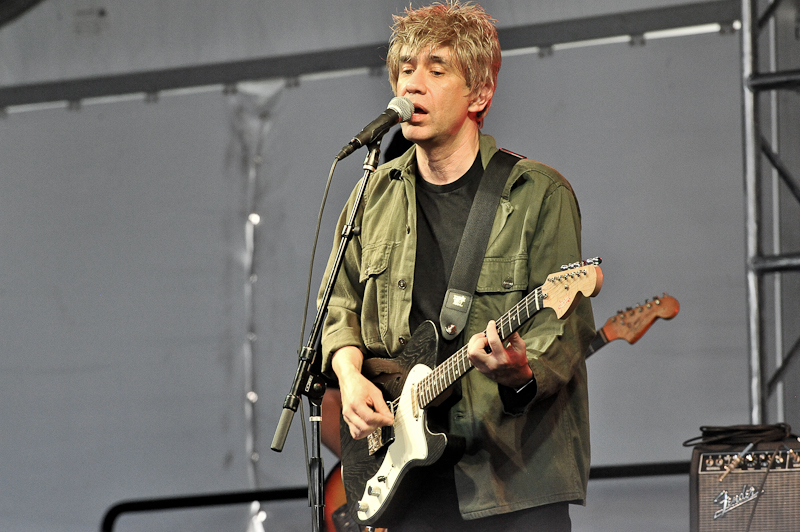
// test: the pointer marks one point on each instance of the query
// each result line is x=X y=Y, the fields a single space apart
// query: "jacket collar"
x=405 y=165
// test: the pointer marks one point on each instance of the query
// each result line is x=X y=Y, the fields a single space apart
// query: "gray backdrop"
x=124 y=287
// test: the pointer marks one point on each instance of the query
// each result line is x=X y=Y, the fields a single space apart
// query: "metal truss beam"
x=789 y=79
x=754 y=83
x=634 y=23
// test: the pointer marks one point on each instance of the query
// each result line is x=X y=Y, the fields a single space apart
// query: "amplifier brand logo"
x=728 y=503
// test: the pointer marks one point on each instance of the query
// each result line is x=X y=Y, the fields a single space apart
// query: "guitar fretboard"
x=452 y=369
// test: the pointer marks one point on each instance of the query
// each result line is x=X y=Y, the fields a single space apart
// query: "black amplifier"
x=746 y=488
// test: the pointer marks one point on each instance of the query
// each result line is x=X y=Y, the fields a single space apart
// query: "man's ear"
x=482 y=101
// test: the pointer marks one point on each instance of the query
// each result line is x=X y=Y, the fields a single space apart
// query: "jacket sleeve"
x=342 y=325
x=555 y=346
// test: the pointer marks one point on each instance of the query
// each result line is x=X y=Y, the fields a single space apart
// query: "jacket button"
x=402 y=340
x=402 y=284
x=508 y=283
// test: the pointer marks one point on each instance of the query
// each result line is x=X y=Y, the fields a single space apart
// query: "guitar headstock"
x=562 y=290
x=631 y=323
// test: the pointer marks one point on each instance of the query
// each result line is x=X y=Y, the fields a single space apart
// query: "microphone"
x=399 y=110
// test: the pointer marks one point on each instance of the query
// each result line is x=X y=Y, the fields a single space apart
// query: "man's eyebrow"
x=433 y=58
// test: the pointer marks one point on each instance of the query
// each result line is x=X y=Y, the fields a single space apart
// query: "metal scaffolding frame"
x=760 y=149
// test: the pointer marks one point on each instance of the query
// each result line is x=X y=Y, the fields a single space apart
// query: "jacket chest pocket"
x=375 y=276
x=504 y=274
x=503 y=282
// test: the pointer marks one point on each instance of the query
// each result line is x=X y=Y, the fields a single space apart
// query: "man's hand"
x=505 y=364
x=363 y=406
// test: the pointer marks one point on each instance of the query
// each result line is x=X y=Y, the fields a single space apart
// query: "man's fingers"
x=381 y=408
x=364 y=416
x=376 y=415
x=516 y=341
x=359 y=427
x=493 y=342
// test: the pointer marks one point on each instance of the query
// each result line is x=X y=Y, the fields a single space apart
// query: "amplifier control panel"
x=719 y=462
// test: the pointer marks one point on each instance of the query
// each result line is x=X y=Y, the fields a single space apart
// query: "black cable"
x=315 y=525
x=741 y=434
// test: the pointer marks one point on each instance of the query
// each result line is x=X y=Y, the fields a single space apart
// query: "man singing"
x=523 y=415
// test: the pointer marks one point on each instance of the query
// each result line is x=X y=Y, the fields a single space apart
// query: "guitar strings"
x=444 y=375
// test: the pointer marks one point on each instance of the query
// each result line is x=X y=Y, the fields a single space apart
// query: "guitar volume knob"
x=362 y=506
x=374 y=491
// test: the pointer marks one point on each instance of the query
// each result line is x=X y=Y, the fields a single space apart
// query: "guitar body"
x=372 y=481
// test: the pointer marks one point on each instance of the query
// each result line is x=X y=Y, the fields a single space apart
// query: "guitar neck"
x=456 y=366
x=600 y=339
x=632 y=323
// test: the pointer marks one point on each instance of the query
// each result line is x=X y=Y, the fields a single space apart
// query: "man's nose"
x=414 y=83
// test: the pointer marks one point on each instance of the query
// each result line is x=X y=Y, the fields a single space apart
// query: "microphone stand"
x=308 y=379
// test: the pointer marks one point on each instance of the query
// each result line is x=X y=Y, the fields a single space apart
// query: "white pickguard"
x=409 y=445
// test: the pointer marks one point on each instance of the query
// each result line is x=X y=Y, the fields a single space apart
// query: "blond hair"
x=465 y=28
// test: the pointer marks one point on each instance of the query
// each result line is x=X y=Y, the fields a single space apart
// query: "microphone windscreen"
x=402 y=106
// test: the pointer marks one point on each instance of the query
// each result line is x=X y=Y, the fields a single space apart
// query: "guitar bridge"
x=380 y=437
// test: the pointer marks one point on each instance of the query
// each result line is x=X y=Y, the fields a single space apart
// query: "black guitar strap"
x=467 y=266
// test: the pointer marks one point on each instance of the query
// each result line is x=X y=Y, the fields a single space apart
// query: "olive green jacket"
x=513 y=460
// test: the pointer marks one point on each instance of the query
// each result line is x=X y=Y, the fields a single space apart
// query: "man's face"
x=442 y=101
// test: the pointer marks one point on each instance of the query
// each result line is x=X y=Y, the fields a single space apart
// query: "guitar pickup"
x=380 y=437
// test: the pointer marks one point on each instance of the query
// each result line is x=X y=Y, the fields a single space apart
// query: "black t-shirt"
x=442 y=212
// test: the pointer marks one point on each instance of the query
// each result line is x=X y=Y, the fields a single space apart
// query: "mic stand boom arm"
x=307 y=380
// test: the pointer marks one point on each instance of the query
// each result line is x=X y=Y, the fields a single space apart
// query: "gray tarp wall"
x=124 y=294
